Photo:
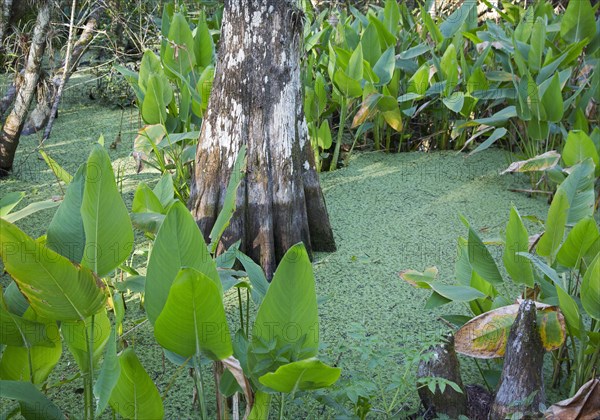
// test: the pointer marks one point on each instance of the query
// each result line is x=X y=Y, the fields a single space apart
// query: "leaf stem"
x=281 y=405
x=340 y=136
x=88 y=377
x=200 y=387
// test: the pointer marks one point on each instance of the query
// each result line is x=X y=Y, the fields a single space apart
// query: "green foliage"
x=567 y=278
x=183 y=296
x=172 y=91
x=454 y=75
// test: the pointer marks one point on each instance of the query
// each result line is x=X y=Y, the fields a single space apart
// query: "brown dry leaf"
x=584 y=405
x=233 y=365
x=533 y=240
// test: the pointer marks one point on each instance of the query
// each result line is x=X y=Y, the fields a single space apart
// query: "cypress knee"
x=443 y=363
x=521 y=384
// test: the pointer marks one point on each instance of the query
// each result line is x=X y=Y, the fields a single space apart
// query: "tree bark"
x=11 y=131
x=257 y=100
x=522 y=376
x=443 y=364
x=47 y=107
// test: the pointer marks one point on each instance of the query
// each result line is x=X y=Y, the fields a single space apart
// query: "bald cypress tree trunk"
x=257 y=101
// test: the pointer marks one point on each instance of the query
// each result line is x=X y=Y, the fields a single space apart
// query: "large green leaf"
x=497 y=134
x=65 y=233
x=385 y=66
x=462 y=267
x=499 y=118
x=178 y=53
x=10 y=201
x=569 y=308
x=578 y=22
x=34 y=404
x=164 y=190
x=517 y=240
x=109 y=374
x=481 y=305
x=456 y=293
x=135 y=396
x=58 y=170
x=157 y=98
x=145 y=200
x=203 y=89
x=480 y=258
x=303 y=375
x=578 y=241
x=355 y=65
x=419 y=82
x=55 y=288
x=418 y=279
x=108 y=230
x=449 y=67
x=179 y=243
x=386 y=38
x=193 y=319
x=579 y=147
x=552 y=100
x=454 y=22
x=150 y=65
x=256 y=275
x=31 y=209
x=78 y=335
x=370 y=44
x=590 y=289
x=391 y=16
x=289 y=310
x=21 y=332
x=538 y=40
x=579 y=190
x=324 y=139
x=261 y=407
x=204 y=47
x=33 y=363
x=349 y=87
x=432 y=29
x=555 y=226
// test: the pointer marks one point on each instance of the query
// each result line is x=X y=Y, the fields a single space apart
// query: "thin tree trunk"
x=11 y=131
x=65 y=74
x=47 y=108
x=256 y=100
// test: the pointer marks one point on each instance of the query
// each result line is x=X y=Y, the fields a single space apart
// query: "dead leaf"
x=584 y=405
x=233 y=365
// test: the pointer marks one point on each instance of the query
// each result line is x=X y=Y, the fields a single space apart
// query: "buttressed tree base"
x=257 y=101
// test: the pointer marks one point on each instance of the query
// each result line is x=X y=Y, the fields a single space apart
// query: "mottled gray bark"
x=521 y=384
x=443 y=363
x=257 y=100
x=11 y=131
